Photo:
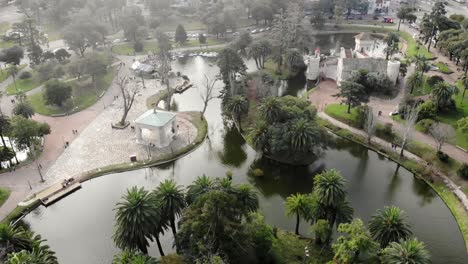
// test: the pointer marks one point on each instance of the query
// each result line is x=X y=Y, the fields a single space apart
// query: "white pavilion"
x=156 y=127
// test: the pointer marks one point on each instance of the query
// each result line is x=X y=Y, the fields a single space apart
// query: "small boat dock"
x=181 y=88
x=58 y=191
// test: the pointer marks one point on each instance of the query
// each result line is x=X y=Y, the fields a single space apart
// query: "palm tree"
x=389 y=225
x=12 y=71
x=259 y=136
x=14 y=238
x=270 y=109
x=200 y=186
x=391 y=40
x=266 y=49
x=171 y=200
x=255 y=52
x=137 y=219
x=247 y=197
x=129 y=257
x=421 y=63
x=443 y=92
x=331 y=194
x=302 y=135
x=296 y=204
x=410 y=251
x=236 y=106
x=415 y=81
x=31 y=257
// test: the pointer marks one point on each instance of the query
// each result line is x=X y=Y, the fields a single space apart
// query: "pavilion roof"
x=155 y=118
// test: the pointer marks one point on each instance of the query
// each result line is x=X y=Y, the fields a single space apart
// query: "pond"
x=79 y=227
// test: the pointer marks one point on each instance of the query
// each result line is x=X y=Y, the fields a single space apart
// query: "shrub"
x=229 y=174
x=361 y=115
x=257 y=172
x=433 y=80
x=425 y=124
x=138 y=46
x=385 y=131
x=427 y=110
x=25 y=75
x=442 y=156
x=463 y=171
x=57 y=92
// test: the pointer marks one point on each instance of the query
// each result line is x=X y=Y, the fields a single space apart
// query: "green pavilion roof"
x=155 y=118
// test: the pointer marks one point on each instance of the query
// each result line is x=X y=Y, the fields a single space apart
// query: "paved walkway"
x=450 y=184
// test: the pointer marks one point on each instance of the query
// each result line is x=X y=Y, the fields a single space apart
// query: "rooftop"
x=155 y=118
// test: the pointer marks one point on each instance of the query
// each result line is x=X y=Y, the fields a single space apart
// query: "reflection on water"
x=79 y=227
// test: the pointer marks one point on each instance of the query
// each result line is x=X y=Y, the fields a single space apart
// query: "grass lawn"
x=426 y=89
x=127 y=48
x=24 y=85
x=4 y=194
x=6 y=44
x=443 y=68
x=340 y=113
x=84 y=96
x=4 y=26
x=190 y=24
x=414 y=48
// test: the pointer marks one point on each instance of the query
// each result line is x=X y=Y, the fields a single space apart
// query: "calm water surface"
x=79 y=227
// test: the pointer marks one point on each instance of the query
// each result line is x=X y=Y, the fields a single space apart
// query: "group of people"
x=67 y=182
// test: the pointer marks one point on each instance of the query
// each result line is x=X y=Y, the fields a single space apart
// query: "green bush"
x=138 y=46
x=425 y=124
x=433 y=80
x=258 y=173
x=427 y=110
x=385 y=131
x=442 y=156
x=463 y=171
x=25 y=75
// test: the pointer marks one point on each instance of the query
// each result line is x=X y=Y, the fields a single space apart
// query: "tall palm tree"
x=12 y=71
x=137 y=218
x=247 y=197
x=296 y=204
x=330 y=190
x=266 y=49
x=255 y=52
x=391 y=40
x=259 y=136
x=421 y=63
x=410 y=251
x=236 y=106
x=302 y=135
x=415 y=81
x=14 y=238
x=200 y=186
x=270 y=109
x=443 y=92
x=389 y=225
x=171 y=200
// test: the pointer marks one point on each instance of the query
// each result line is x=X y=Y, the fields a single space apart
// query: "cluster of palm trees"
x=19 y=245
x=142 y=216
x=327 y=206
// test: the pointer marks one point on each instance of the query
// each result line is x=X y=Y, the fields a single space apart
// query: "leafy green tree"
x=131 y=257
x=353 y=93
x=213 y=225
x=321 y=230
x=82 y=34
x=201 y=38
x=247 y=198
x=442 y=93
x=270 y=109
x=389 y=225
x=405 y=13
x=5 y=126
x=462 y=125
x=57 y=92
x=294 y=59
x=263 y=237
x=296 y=205
x=244 y=41
x=358 y=240
x=415 y=81
x=26 y=131
x=403 y=252
x=171 y=200
x=12 y=55
x=464 y=82
x=230 y=65
x=237 y=106
x=96 y=66
x=137 y=220
x=180 y=34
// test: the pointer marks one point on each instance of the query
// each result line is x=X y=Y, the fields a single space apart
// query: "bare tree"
x=411 y=116
x=128 y=96
x=441 y=133
x=207 y=94
x=369 y=124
